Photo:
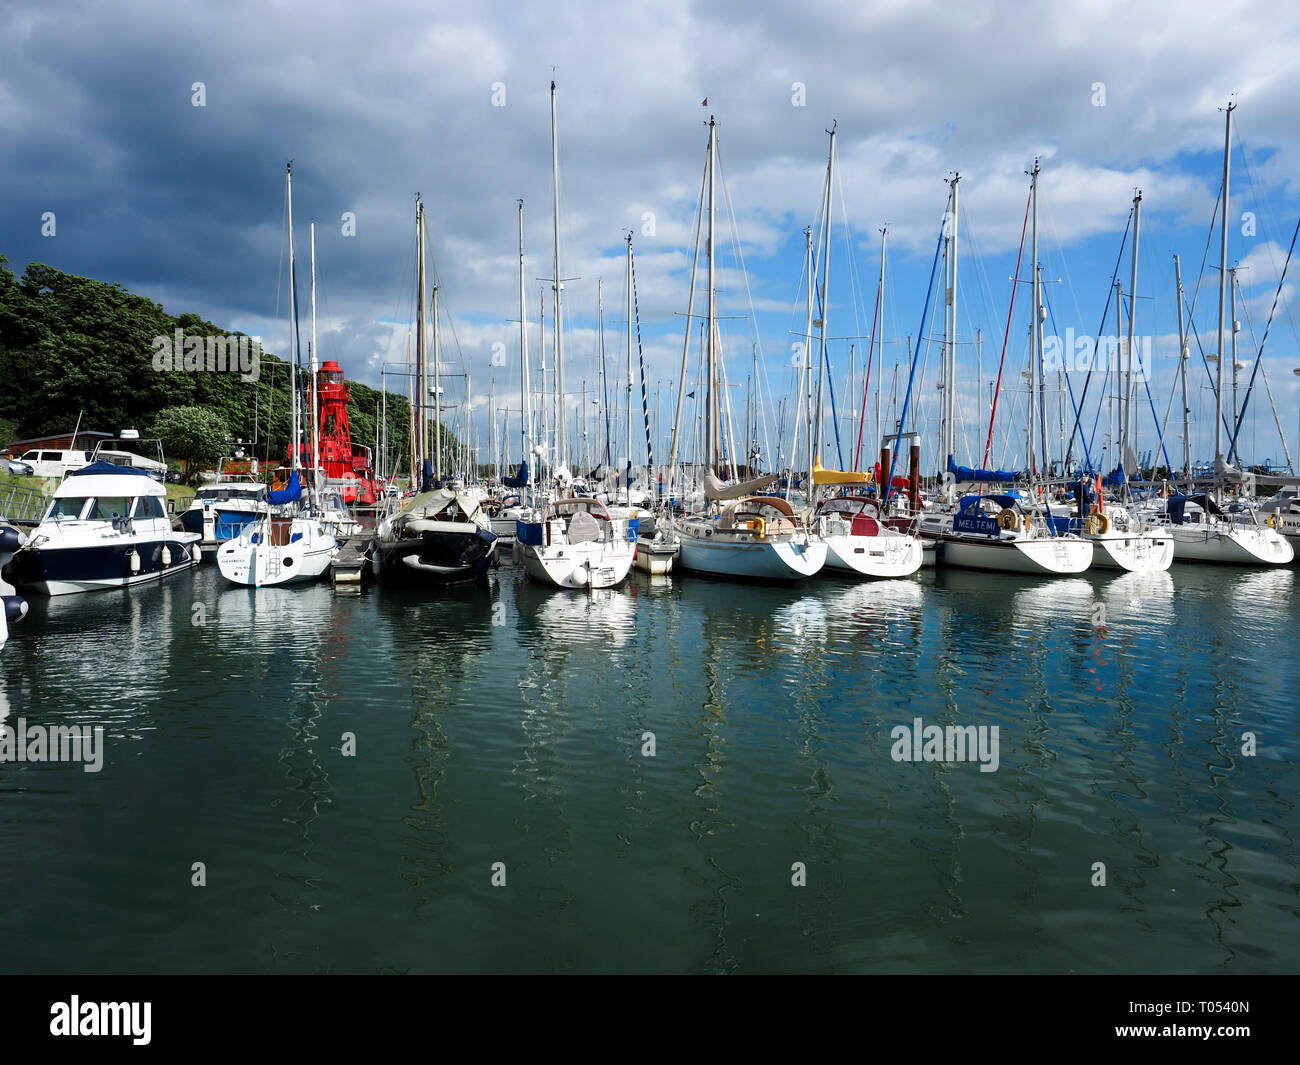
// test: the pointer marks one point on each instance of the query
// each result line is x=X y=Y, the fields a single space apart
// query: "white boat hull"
x=1146 y=552
x=592 y=564
x=655 y=557
x=259 y=564
x=886 y=556
x=1042 y=557
x=1231 y=545
x=766 y=560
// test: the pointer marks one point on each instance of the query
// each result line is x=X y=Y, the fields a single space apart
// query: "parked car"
x=23 y=469
x=49 y=462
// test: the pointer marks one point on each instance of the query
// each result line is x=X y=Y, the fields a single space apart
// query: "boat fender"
x=166 y=556
x=134 y=558
x=195 y=554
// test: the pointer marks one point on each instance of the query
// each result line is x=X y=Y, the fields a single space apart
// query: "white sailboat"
x=1201 y=531
x=574 y=542
x=853 y=527
x=1121 y=539
x=289 y=544
x=753 y=536
x=999 y=532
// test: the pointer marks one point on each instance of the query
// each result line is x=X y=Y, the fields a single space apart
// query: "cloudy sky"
x=375 y=103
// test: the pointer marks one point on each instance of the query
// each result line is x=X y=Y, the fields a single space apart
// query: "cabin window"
x=149 y=507
x=107 y=508
x=69 y=508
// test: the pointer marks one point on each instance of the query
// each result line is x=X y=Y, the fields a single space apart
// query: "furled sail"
x=716 y=490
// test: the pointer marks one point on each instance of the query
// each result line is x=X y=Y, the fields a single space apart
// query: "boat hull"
x=298 y=551
x=436 y=557
x=655 y=557
x=594 y=564
x=879 y=557
x=761 y=560
x=1147 y=552
x=1041 y=557
x=1231 y=546
x=67 y=570
x=215 y=524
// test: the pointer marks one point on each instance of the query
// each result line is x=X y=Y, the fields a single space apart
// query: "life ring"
x=1272 y=521
x=1103 y=525
x=1008 y=520
x=758 y=526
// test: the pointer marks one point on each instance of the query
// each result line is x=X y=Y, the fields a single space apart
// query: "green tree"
x=195 y=435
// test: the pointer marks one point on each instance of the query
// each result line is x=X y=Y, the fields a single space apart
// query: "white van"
x=47 y=462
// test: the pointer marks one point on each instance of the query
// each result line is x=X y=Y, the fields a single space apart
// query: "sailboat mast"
x=805 y=371
x=628 y=467
x=561 y=439
x=437 y=395
x=686 y=338
x=1183 y=354
x=421 y=340
x=315 y=440
x=1223 y=280
x=1232 y=312
x=603 y=401
x=950 y=366
x=1040 y=383
x=1033 y=358
x=293 y=329
x=1127 y=447
x=525 y=408
x=710 y=406
x=880 y=366
x=825 y=282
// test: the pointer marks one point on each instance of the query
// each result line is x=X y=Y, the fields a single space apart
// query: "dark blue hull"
x=63 y=570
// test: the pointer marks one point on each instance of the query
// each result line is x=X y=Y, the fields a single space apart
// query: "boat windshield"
x=234 y=491
x=107 y=508
x=68 y=508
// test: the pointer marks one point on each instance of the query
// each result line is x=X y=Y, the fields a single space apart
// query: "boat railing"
x=22 y=505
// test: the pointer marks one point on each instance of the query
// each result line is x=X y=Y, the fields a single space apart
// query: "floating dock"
x=349 y=565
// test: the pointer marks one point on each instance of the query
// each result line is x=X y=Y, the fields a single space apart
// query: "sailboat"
x=739 y=533
x=1201 y=530
x=291 y=543
x=1120 y=538
x=574 y=542
x=442 y=535
x=999 y=532
x=858 y=534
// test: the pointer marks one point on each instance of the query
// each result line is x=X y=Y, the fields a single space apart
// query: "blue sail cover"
x=967 y=473
x=291 y=493
x=519 y=480
x=1115 y=477
x=426 y=476
x=96 y=469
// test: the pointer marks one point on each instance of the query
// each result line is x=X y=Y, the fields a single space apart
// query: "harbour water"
x=508 y=724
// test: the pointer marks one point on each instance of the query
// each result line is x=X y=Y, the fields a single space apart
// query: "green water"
x=505 y=724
